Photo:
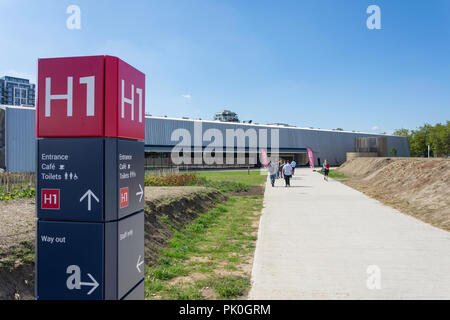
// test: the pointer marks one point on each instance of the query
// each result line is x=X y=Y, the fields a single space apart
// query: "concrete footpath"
x=324 y=240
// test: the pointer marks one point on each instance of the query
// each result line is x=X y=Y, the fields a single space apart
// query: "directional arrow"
x=89 y=194
x=93 y=284
x=139 y=263
x=140 y=193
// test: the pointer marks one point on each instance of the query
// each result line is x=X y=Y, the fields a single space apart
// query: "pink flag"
x=311 y=158
x=264 y=160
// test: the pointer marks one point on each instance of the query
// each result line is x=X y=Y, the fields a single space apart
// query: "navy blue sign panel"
x=131 y=252
x=72 y=254
x=137 y=293
x=89 y=179
x=88 y=260
x=70 y=179
x=124 y=158
x=125 y=256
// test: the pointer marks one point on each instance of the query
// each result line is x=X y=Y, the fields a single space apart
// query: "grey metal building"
x=292 y=141
x=17 y=140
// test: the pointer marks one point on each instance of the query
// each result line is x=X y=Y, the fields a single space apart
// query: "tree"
x=437 y=136
x=402 y=133
x=393 y=152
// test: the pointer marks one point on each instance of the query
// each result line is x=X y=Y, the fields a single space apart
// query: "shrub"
x=191 y=179
x=185 y=179
x=28 y=192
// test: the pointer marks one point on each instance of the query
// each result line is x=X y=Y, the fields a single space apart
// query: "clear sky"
x=307 y=63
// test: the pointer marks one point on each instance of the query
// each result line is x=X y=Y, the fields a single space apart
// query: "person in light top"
x=287 y=171
x=293 y=165
x=273 y=171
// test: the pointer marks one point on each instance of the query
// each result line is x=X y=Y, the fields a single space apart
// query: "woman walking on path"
x=326 y=170
x=273 y=171
x=287 y=170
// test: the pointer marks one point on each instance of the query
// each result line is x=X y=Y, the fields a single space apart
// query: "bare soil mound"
x=419 y=187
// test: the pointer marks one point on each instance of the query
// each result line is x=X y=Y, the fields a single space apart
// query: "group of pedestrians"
x=281 y=169
x=286 y=169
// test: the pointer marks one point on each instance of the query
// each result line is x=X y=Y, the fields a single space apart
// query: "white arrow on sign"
x=93 y=284
x=140 y=193
x=139 y=263
x=89 y=194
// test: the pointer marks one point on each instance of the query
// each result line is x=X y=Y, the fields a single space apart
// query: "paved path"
x=318 y=239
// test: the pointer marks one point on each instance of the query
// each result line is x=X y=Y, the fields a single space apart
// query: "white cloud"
x=186 y=96
x=375 y=128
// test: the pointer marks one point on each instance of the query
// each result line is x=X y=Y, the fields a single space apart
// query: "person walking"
x=273 y=171
x=281 y=168
x=293 y=165
x=326 y=170
x=287 y=170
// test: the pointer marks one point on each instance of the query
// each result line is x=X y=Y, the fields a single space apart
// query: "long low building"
x=238 y=144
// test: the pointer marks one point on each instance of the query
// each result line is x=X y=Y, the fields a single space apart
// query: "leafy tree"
x=437 y=136
x=393 y=152
x=402 y=133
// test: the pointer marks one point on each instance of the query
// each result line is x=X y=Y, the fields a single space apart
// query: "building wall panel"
x=20 y=140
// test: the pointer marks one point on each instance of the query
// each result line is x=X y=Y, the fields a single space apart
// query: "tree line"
x=437 y=137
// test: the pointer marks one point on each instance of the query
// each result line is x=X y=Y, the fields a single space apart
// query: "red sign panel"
x=50 y=199
x=90 y=97
x=125 y=100
x=124 y=197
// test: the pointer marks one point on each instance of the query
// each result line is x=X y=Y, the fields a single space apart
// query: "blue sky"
x=306 y=63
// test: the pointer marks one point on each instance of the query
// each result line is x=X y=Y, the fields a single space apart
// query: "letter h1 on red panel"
x=98 y=96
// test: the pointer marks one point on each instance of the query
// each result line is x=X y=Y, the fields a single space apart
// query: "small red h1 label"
x=123 y=197
x=50 y=199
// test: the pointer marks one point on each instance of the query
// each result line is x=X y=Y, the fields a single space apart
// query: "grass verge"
x=255 y=178
x=211 y=257
x=334 y=174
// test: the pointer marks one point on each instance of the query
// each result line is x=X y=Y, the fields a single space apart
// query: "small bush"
x=28 y=192
x=230 y=287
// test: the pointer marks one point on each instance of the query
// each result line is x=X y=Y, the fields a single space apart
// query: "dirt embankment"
x=176 y=205
x=418 y=187
x=164 y=215
x=17 y=234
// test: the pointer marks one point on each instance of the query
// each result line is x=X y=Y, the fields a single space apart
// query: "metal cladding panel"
x=330 y=145
x=20 y=142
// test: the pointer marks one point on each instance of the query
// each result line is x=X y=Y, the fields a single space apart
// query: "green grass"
x=220 y=240
x=224 y=181
x=24 y=254
x=255 y=178
x=335 y=175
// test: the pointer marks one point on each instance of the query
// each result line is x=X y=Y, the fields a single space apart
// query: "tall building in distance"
x=17 y=92
x=226 y=116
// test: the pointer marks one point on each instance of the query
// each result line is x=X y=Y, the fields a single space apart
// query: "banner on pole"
x=264 y=159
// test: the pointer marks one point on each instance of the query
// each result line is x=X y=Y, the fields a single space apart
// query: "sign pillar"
x=90 y=126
